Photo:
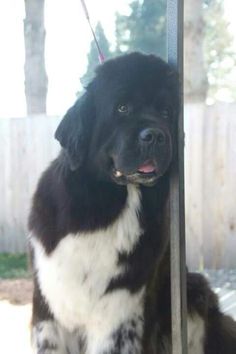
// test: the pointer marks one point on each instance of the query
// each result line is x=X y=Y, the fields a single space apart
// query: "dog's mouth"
x=147 y=168
x=146 y=173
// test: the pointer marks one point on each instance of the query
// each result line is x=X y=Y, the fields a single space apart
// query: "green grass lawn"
x=13 y=266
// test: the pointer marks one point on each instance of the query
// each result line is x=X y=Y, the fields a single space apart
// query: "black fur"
x=81 y=192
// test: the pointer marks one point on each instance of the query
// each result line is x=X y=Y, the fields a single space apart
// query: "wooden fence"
x=27 y=146
x=210 y=170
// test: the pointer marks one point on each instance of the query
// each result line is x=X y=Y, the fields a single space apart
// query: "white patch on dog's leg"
x=196 y=334
x=50 y=338
x=46 y=338
x=124 y=333
x=117 y=310
x=125 y=340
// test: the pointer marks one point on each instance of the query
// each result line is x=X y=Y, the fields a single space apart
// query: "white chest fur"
x=74 y=277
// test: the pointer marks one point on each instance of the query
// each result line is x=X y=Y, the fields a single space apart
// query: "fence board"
x=26 y=147
x=210 y=185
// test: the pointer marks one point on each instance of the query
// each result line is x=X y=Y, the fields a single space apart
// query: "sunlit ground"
x=15 y=328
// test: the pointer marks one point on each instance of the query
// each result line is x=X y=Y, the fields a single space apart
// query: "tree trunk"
x=195 y=78
x=36 y=81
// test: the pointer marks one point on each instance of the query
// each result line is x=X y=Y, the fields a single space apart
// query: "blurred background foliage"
x=144 y=29
x=13 y=266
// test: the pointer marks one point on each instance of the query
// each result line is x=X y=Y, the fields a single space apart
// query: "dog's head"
x=121 y=128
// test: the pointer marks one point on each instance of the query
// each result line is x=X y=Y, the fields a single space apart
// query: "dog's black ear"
x=74 y=130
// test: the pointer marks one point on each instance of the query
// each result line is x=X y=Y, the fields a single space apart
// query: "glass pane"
x=210 y=131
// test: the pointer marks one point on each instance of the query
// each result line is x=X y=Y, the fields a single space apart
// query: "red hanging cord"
x=100 y=54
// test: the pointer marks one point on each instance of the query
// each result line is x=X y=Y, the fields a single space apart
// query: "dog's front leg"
x=48 y=335
x=47 y=339
x=126 y=339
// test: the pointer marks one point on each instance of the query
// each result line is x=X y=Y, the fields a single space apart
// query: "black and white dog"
x=98 y=240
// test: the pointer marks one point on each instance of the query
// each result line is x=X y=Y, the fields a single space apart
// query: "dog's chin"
x=146 y=173
x=147 y=180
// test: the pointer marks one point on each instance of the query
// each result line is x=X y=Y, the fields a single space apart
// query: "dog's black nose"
x=149 y=136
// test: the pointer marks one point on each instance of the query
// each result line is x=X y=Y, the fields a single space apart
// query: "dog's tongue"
x=147 y=168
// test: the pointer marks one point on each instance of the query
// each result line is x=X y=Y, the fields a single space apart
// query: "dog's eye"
x=123 y=108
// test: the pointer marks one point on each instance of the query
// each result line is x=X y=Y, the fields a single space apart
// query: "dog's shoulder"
x=48 y=199
x=68 y=202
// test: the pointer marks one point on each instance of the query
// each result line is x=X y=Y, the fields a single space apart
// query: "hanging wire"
x=100 y=53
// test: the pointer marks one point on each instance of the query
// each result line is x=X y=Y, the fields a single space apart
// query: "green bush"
x=13 y=266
